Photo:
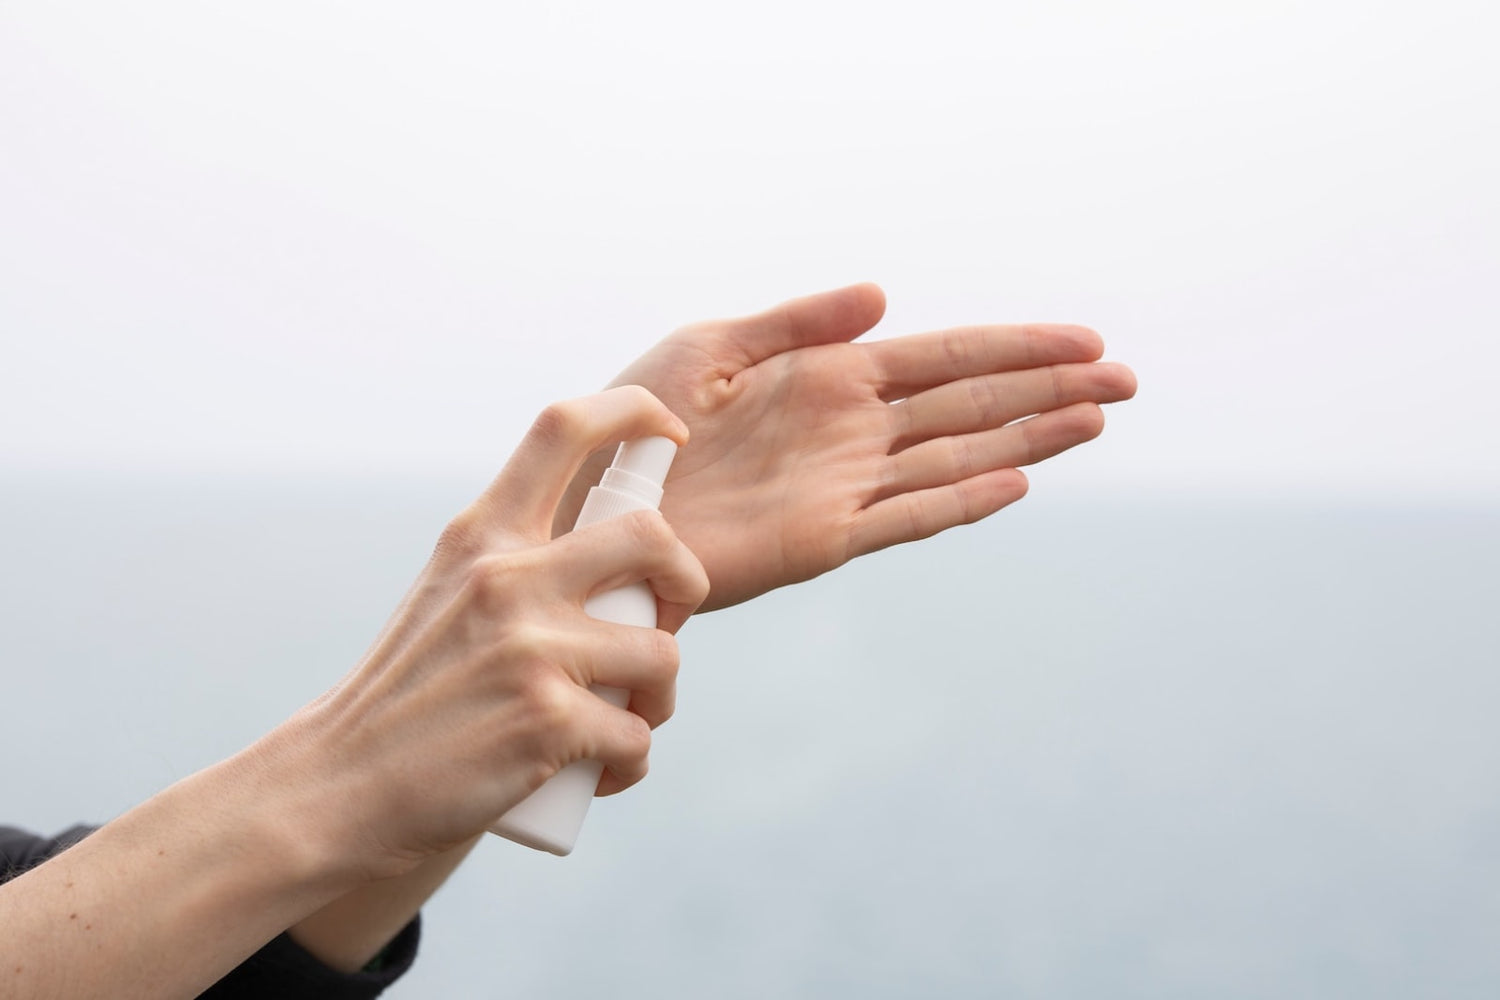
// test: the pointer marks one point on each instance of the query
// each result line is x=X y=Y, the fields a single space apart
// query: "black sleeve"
x=282 y=969
x=21 y=851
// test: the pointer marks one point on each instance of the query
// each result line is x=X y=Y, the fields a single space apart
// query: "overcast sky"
x=377 y=237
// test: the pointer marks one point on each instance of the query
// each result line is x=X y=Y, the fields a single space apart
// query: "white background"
x=378 y=237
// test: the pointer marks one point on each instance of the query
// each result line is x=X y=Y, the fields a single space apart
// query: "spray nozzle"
x=640 y=467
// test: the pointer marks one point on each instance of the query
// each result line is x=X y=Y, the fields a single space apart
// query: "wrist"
x=297 y=809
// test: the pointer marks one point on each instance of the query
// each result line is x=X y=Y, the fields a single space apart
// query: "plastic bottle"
x=550 y=818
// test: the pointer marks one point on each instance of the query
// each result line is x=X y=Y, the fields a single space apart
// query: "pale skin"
x=818 y=450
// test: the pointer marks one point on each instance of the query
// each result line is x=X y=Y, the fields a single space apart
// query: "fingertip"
x=656 y=707
x=655 y=417
x=1117 y=381
x=1078 y=343
x=871 y=300
x=838 y=315
x=1003 y=488
x=1090 y=419
x=617 y=778
x=1090 y=341
x=671 y=616
x=674 y=427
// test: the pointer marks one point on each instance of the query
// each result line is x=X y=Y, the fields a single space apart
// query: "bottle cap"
x=648 y=457
x=640 y=468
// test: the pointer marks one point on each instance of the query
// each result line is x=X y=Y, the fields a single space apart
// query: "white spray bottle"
x=550 y=818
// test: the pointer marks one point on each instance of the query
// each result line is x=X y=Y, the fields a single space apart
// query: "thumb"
x=827 y=317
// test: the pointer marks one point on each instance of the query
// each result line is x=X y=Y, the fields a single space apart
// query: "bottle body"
x=549 y=819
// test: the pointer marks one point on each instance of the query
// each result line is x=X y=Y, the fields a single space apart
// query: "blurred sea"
x=1085 y=749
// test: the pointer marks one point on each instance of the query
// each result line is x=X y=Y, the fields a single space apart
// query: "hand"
x=477 y=691
x=808 y=450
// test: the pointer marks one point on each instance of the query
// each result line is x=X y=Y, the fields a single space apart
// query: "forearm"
x=350 y=931
x=166 y=899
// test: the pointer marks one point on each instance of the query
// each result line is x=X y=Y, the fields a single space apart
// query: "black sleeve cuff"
x=285 y=970
x=21 y=851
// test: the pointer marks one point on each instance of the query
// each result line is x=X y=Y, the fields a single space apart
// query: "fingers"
x=912 y=364
x=583 y=725
x=556 y=577
x=986 y=401
x=923 y=513
x=625 y=767
x=618 y=739
x=948 y=481
x=949 y=460
x=643 y=661
x=825 y=318
x=635 y=547
x=564 y=435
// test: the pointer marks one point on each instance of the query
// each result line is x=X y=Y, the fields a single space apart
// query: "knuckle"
x=648 y=530
x=957 y=351
x=492 y=582
x=636 y=740
x=544 y=736
x=548 y=703
x=985 y=398
x=460 y=537
x=486 y=578
x=1057 y=383
x=919 y=517
x=638 y=396
x=560 y=424
x=962 y=457
x=528 y=646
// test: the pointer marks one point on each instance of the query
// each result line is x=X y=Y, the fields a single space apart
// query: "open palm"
x=808 y=450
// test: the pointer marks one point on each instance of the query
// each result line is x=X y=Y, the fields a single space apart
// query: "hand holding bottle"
x=550 y=818
x=478 y=690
